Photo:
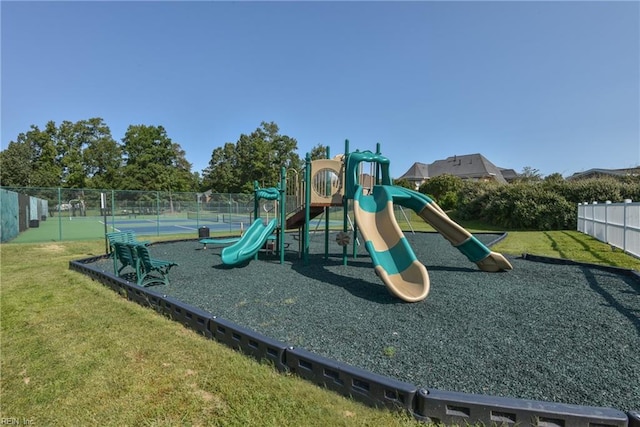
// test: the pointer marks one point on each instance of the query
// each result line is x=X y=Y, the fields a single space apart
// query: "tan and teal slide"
x=393 y=258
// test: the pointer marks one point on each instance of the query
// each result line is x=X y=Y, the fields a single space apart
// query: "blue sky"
x=550 y=85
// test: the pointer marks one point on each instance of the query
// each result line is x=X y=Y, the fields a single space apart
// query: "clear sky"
x=550 y=85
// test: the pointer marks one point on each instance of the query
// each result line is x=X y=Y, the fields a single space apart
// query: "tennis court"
x=64 y=228
x=94 y=227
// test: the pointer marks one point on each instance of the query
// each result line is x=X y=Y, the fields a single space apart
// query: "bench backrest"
x=125 y=253
x=122 y=237
x=144 y=257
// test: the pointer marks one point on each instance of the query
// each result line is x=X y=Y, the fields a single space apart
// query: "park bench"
x=123 y=253
x=149 y=269
x=128 y=236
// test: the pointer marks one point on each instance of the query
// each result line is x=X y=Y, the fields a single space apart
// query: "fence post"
x=625 y=222
x=607 y=206
x=59 y=215
x=157 y=213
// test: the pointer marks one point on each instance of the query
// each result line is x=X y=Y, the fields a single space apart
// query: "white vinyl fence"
x=617 y=224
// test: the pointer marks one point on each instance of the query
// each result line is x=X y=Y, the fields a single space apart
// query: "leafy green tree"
x=258 y=156
x=318 y=152
x=529 y=174
x=15 y=165
x=554 y=178
x=404 y=183
x=444 y=189
x=88 y=155
x=221 y=175
x=31 y=160
x=153 y=162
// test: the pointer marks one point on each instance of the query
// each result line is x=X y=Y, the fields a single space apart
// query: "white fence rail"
x=617 y=224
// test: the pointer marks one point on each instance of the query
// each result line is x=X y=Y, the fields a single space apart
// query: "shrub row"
x=542 y=205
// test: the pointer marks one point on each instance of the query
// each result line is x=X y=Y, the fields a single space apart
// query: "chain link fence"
x=31 y=214
x=58 y=214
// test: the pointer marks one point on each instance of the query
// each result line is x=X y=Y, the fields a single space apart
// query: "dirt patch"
x=51 y=248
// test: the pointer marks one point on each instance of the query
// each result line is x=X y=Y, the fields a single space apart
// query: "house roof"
x=613 y=172
x=509 y=174
x=417 y=172
x=465 y=166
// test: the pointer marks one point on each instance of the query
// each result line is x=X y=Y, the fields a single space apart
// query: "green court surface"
x=557 y=333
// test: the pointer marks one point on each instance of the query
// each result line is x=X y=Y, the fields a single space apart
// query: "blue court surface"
x=173 y=226
x=156 y=226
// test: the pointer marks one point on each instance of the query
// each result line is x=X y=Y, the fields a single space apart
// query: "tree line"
x=85 y=155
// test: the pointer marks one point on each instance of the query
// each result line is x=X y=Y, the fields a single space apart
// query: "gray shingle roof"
x=418 y=171
x=468 y=166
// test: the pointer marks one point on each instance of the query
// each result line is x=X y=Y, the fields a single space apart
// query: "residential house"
x=597 y=173
x=469 y=166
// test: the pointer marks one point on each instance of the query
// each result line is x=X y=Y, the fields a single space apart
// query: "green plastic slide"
x=251 y=242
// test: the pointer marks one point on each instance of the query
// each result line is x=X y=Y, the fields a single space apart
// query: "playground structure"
x=338 y=182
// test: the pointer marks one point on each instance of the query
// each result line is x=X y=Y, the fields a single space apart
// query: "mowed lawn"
x=73 y=352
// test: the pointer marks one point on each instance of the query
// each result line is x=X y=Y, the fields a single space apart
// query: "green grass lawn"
x=76 y=353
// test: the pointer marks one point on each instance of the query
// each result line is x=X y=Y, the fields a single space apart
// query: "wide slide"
x=250 y=243
x=393 y=259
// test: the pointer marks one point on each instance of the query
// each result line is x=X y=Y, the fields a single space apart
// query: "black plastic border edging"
x=429 y=405
x=249 y=342
x=463 y=408
x=361 y=385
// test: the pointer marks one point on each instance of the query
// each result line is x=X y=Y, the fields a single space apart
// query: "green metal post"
x=307 y=208
x=256 y=208
x=345 y=204
x=197 y=211
x=327 y=210
x=59 y=215
x=158 y=213
x=113 y=210
x=256 y=202
x=283 y=212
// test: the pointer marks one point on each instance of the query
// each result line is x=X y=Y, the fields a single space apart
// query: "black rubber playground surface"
x=558 y=333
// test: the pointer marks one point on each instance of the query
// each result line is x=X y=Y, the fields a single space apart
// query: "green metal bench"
x=123 y=253
x=128 y=236
x=151 y=270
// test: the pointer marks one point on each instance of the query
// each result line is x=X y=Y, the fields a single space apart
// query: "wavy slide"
x=250 y=243
x=392 y=256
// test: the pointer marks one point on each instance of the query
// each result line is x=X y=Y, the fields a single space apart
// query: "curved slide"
x=250 y=243
x=392 y=256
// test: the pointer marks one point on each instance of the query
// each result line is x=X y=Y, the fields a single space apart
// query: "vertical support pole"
x=113 y=210
x=327 y=210
x=256 y=202
x=377 y=174
x=103 y=207
x=198 y=211
x=59 y=215
x=157 y=213
x=307 y=208
x=625 y=222
x=283 y=212
x=256 y=207
x=345 y=203
x=606 y=220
